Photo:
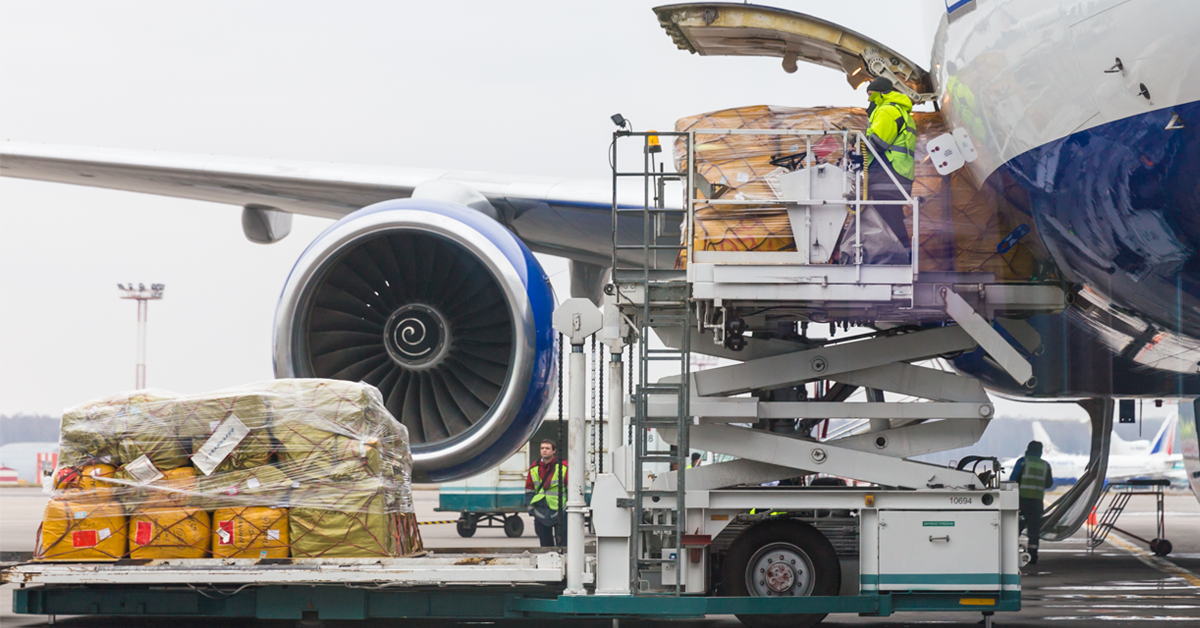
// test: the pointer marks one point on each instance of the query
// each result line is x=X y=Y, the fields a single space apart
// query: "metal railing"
x=853 y=187
x=665 y=302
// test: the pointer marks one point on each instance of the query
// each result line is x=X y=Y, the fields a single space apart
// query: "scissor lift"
x=756 y=308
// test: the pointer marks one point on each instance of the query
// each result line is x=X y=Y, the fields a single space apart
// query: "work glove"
x=856 y=161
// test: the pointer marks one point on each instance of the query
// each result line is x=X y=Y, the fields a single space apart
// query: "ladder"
x=1122 y=493
x=645 y=266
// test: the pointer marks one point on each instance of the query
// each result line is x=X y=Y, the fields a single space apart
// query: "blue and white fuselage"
x=1093 y=108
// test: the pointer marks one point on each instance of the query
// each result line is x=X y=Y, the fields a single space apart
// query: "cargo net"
x=291 y=468
x=963 y=228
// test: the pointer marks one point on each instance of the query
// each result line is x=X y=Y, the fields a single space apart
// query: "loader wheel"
x=514 y=526
x=781 y=558
x=1161 y=547
x=466 y=526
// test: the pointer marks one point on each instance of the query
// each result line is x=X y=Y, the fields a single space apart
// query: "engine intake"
x=441 y=308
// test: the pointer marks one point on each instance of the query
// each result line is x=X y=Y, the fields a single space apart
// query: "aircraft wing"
x=557 y=216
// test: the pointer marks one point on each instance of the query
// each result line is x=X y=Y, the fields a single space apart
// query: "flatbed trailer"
x=491 y=585
x=964 y=565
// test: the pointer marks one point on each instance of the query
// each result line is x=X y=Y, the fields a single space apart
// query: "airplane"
x=1084 y=114
x=1146 y=459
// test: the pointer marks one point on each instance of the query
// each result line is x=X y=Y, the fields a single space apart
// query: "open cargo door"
x=717 y=28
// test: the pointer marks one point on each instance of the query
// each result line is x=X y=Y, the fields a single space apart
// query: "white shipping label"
x=272 y=535
x=143 y=470
x=742 y=177
x=217 y=447
x=224 y=534
x=103 y=534
x=253 y=483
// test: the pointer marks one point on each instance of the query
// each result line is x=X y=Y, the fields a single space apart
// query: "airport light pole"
x=143 y=296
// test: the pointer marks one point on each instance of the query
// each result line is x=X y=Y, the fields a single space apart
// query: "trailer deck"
x=430 y=569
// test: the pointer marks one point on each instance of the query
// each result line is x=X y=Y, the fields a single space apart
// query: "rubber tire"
x=1161 y=547
x=828 y=572
x=514 y=526
x=466 y=527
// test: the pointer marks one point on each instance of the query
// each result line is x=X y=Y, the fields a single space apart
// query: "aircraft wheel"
x=781 y=558
x=514 y=526
x=1161 y=547
x=466 y=526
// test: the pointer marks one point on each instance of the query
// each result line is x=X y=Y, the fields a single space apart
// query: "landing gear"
x=781 y=558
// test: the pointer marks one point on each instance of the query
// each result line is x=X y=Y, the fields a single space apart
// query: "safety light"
x=652 y=143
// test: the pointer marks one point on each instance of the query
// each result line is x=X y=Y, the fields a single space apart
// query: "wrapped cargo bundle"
x=963 y=228
x=169 y=533
x=99 y=431
x=199 y=417
x=355 y=498
x=250 y=532
x=288 y=468
x=79 y=526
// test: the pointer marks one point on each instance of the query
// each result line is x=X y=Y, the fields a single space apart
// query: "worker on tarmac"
x=893 y=134
x=695 y=460
x=1033 y=477
x=543 y=493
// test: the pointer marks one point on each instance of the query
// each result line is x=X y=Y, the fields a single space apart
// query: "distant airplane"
x=1128 y=460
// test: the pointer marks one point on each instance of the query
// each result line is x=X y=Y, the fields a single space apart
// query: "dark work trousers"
x=551 y=535
x=881 y=188
x=1031 y=519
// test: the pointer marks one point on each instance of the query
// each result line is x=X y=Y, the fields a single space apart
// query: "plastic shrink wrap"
x=285 y=468
x=963 y=228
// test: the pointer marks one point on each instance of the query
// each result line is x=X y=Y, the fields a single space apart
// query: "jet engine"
x=440 y=307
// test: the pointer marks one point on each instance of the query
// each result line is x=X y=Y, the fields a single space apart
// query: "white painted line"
x=1151 y=560
x=1090 y=618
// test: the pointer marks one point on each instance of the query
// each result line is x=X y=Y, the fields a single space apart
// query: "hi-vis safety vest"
x=1033 y=478
x=549 y=492
x=892 y=127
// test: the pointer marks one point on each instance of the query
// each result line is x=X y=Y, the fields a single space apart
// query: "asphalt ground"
x=1120 y=584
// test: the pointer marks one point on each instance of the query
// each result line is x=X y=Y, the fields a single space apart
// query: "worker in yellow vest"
x=1033 y=477
x=543 y=488
x=893 y=134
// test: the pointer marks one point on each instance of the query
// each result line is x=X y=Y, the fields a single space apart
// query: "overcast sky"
x=512 y=87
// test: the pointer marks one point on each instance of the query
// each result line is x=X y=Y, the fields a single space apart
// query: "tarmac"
x=1120 y=584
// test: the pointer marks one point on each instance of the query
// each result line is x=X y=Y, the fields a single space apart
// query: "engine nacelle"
x=441 y=308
